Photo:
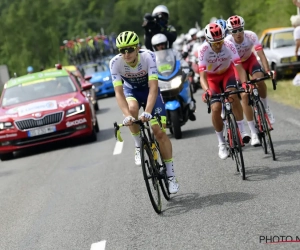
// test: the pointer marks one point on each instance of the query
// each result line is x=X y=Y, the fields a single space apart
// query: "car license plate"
x=41 y=131
x=288 y=71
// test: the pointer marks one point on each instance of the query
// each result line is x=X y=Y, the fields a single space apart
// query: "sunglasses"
x=127 y=50
x=217 y=43
x=237 y=31
x=160 y=44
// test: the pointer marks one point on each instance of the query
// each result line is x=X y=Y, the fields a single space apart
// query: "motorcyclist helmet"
x=159 y=39
x=193 y=31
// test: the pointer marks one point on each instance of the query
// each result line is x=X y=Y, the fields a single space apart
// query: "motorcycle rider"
x=160 y=42
x=158 y=23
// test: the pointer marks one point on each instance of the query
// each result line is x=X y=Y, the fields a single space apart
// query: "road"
x=73 y=196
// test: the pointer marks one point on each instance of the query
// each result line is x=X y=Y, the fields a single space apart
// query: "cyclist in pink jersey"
x=245 y=41
x=217 y=59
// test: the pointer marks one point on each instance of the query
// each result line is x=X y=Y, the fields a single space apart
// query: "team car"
x=44 y=107
x=279 y=48
x=99 y=75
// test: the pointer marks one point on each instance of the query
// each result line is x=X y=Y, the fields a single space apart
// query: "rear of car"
x=43 y=107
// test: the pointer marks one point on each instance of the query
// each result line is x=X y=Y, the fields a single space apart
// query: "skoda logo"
x=37 y=115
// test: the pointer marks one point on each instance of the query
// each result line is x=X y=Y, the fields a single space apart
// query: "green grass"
x=285 y=93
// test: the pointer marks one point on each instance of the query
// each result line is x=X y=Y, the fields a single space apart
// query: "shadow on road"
x=102 y=111
x=194 y=132
x=184 y=203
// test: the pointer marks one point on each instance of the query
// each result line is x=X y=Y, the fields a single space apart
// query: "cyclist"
x=29 y=70
x=244 y=41
x=216 y=59
x=137 y=68
x=222 y=22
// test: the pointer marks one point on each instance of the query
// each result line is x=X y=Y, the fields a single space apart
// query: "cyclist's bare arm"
x=263 y=60
x=242 y=72
x=203 y=80
x=122 y=100
x=152 y=96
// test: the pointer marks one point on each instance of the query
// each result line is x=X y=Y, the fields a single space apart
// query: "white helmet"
x=187 y=37
x=214 y=32
x=160 y=9
x=200 y=34
x=193 y=31
x=158 y=39
x=235 y=22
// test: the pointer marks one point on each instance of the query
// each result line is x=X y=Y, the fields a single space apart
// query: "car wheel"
x=96 y=106
x=92 y=137
x=97 y=129
x=7 y=156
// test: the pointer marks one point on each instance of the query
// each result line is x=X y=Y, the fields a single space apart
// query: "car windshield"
x=91 y=69
x=37 y=89
x=283 y=39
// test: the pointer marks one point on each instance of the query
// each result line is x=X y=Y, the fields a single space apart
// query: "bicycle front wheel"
x=236 y=146
x=259 y=126
x=150 y=174
x=267 y=132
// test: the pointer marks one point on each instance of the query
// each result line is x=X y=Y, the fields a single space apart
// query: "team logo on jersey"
x=140 y=67
x=158 y=110
x=134 y=75
x=201 y=53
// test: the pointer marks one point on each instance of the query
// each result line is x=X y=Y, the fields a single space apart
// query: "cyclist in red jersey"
x=245 y=41
x=217 y=59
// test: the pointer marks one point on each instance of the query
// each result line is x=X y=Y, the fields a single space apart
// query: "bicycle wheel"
x=267 y=132
x=150 y=176
x=237 y=147
x=163 y=180
x=258 y=124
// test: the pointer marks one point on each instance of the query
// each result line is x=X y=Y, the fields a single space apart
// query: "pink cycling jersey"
x=245 y=48
x=217 y=63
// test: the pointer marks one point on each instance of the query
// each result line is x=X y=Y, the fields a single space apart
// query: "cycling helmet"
x=200 y=33
x=235 y=22
x=222 y=22
x=158 y=39
x=127 y=38
x=160 y=9
x=193 y=31
x=29 y=69
x=214 y=32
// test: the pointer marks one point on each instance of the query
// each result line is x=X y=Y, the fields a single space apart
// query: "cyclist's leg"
x=214 y=82
x=132 y=99
x=165 y=144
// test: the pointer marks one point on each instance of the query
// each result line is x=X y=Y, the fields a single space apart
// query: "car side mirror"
x=86 y=86
x=87 y=78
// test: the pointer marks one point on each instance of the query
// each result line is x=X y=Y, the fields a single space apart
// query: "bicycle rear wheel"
x=163 y=180
x=267 y=132
x=150 y=174
x=259 y=126
x=237 y=147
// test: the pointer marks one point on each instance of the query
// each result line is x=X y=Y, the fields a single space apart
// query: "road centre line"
x=118 y=148
x=99 y=245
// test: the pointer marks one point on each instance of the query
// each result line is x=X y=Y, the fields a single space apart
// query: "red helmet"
x=235 y=22
x=214 y=32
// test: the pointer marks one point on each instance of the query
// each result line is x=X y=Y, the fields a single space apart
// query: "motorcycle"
x=175 y=90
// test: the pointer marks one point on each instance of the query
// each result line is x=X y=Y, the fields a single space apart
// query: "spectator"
x=295 y=21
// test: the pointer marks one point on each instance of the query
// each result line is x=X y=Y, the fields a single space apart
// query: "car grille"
x=33 y=123
x=98 y=84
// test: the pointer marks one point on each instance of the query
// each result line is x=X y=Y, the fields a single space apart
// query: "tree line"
x=31 y=32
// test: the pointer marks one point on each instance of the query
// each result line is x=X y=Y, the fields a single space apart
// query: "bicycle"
x=154 y=168
x=233 y=138
x=261 y=118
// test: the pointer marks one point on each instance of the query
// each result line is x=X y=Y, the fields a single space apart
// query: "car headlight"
x=106 y=79
x=76 y=110
x=289 y=59
x=5 y=125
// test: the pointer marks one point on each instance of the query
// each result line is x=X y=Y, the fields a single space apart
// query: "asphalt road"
x=71 y=196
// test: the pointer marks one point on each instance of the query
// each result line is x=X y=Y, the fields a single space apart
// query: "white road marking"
x=294 y=121
x=99 y=245
x=118 y=148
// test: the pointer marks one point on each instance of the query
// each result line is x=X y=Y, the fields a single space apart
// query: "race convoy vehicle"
x=44 y=107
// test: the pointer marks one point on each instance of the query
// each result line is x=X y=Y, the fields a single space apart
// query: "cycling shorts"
x=218 y=83
x=141 y=96
x=251 y=66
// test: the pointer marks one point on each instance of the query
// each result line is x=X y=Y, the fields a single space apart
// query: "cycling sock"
x=252 y=127
x=137 y=139
x=264 y=101
x=221 y=138
x=170 y=167
x=241 y=126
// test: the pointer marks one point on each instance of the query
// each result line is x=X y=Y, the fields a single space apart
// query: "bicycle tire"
x=266 y=129
x=163 y=180
x=237 y=147
x=257 y=113
x=151 y=180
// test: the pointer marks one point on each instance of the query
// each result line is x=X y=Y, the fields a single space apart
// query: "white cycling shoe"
x=173 y=185
x=255 y=140
x=223 y=153
x=137 y=157
x=270 y=115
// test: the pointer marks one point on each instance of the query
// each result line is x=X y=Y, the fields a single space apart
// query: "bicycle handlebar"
x=253 y=81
